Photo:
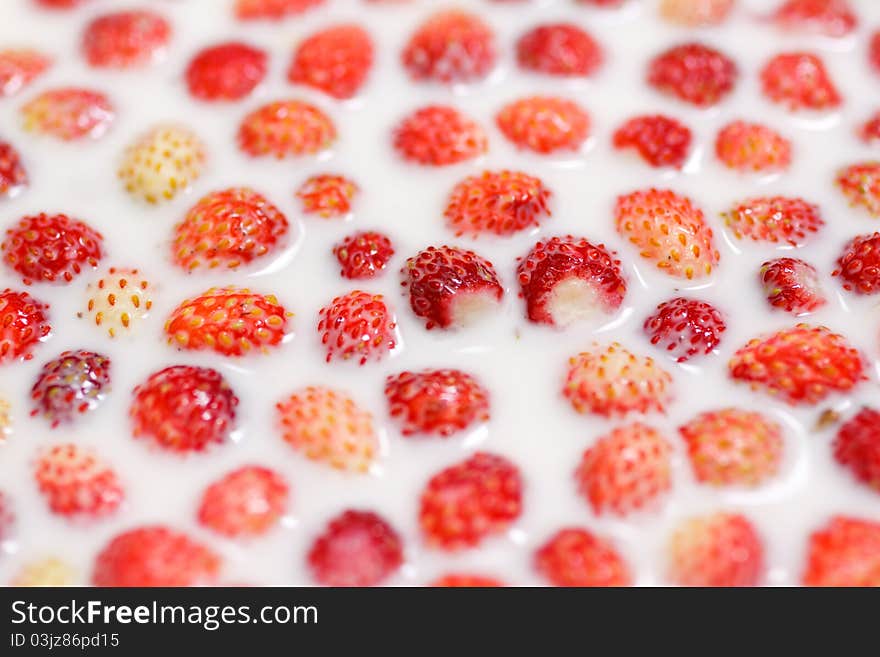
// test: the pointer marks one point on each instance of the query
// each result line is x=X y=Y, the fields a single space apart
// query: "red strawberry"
x=227 y=71
x=565 y=279
x=437 y=402
x=832 y=18
x=694 y=73
x=752 y=147
x=497 y=202
x=247 y=502
x=329 y=426
x=559 y=49
x=625 y=471
x=860 y=183
x=73 y=383
x=327 y=195
x=125 y=39
x=576 y=557
x=722 y=549
x=845 y=552
x=228 y=320
x=461 y=580
x=7 y=517
x=685 y=328
x=59 y=4
x=23 y=324
x=451 y=46
x=694 y=13
x=732 y=446
x=13 y=176
x=869 y=131
x=184 y=408
x=357 y=548
x=544 y=124
x=162 y=163
x=857 y=446
x=438 y=135
x=800 y=365
x=605 y=4
x=49 y=248
x=799 y=81
x=272 y=9
x=660 y=140
x=76 y=483
x=286 y=128
x=69 y=113
x=874 y=50
x=470 y=501
x=19 y=67
x=451 y=287
x=776 y=219
x=792 y=285
x=335 y=60
x=612 y=381
x=357 y=326
x=228 y=228
x=859 y=266
x=119 y=301
x=669 y=231
x=154 y=556
x=363 y=255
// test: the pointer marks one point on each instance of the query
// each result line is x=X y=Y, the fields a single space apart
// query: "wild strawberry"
x=59 y=4
x=13 y=176
x=272 y=9
x=669 y=231
x=328 y=426
x=860 y=183
x=119 y=301
x=335 y=60
x=125 y=39
x=248 y=501
x=857 y=446
x=227 y=71
x=452 y=46
x=357 y=326
x=183 y=408
x=800 y=365
x=438 y=402
x=73 y=383
x=792 y=285
x=544 y=124
x=869 y=131
x=752 y=147
x=76 y=483
x=357 y=548
x=162 y=163
x=327 y=195
x=577 y=557
x=660 y=140
x=799 y=81
x=228 y=228
x=694 y=73
x=363 y=255
x=833 y=18
x=565 y=279
x=559 y=49
x=625 y=471
x=775 y=219
x=438 y=135
x=50 y=571
x=286 y=128
x=685 y=328
x=722 y=549
x=470 y=501
x=874 y=50
x=694 y=13
x=497 y=202
x=610 y=380
x=859 y=266
x=155 y=556
x=68 y=113
x=24 y=323
x=461 y=580
x=845 y=552
x=228 y=320
x=451 y=287
x=19 y=67
x=7 y=516
x=47 y=248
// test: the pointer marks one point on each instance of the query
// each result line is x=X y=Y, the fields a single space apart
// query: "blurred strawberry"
x=227 y=71
x=68 y=113
x=452 y=46
x=272 y=9
x=776 y=220
x=13 y=176
x=860 y=183
x=125 y=39
x=792 y=285
x=76 y=483
x=660 y=140
x=7 y=516
x=685 y=328
x=833 y=18
x=246 y=502
x=695 y=13
x=19 y=67
x=752 y=147
x=50 y=571
x=460 y=580
x=844 y=552
x=438 y=135
x=74 y=383
x=799 y=81
x=869 y=131
x=722 y=549
x=327 y=196
x=162 y=162
x=363 y=255
x=694 y=73
x=559 y=49
x=576 y=557
x=286 y=128
x=335 y=60
x=857 y=447
x=24 y=323
x=544 y=124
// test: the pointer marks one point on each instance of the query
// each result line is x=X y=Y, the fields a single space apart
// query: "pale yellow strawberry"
x=50 y=571
x=5 y=418
x=163 y=162
x=119 y=301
